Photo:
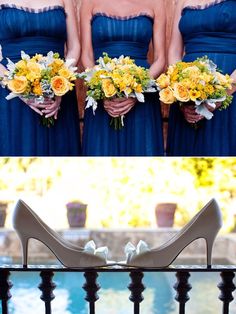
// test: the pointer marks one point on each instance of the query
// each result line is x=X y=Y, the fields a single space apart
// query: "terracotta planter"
x=165 y=214
x=3 y=214
x=76 y=214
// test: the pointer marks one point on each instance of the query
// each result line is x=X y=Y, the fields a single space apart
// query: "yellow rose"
x=34 y=71
x=193 y=71
x=194 y=94
x=224 y=80
x=205 y=77
x=167 y=96
x=60 y=85
x=21 y=65
x=163 y=81
x=58 y=63
x=66 y=73
x=18 y=85
x=188 y=83
x=181 y=92
x=108 y=88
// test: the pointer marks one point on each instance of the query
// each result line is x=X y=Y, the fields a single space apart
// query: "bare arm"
x=176 y=48
x=233 y=76
x=159 y=42
x=87 y=57
x=2 y=68
x=72 y=44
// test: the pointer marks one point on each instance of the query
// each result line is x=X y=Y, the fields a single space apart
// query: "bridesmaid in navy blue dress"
x=204 y=28
x=124 y=28
x=40 y=28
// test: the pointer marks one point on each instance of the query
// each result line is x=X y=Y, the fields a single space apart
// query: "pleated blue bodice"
x=203 y=32
x=24 y=29
x=21 y=133
x=211 y=31
x=142 y=132
x=130 y=36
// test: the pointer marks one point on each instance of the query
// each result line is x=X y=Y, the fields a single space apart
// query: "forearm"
x=157 y=67
x=74 y=54
x=175 y=51
x=233 y=90
x=174 y=57
x=87 y=60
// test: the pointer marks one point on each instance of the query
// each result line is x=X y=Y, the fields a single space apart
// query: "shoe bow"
x=102 y=251
x=132 y=251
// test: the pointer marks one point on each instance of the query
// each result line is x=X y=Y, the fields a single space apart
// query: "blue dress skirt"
x=21 y=131
x=209 y=31
x=142 y=133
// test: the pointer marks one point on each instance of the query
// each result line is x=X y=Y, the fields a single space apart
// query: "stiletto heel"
x=209 y=246
x=206 y=224
x=209 y=253
x=24 y=248
x=28 y=225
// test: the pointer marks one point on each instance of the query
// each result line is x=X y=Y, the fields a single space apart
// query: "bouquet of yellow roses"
x=39 y=78
x=116 y=78
x=198 y=82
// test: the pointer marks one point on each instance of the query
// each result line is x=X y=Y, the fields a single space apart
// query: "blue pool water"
x=114 y=296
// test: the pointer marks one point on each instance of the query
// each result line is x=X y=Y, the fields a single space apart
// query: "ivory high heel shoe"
x=206 y=224
x=28 y=225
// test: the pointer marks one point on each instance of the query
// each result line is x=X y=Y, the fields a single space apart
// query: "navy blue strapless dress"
x=21 y=133
x=142 y=133
x=207 y=31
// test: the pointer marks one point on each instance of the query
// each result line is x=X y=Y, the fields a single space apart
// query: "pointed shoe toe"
x=29 y=226
x=205 y=224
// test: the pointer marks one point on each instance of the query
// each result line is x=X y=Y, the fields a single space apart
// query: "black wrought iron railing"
x=91 y=286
